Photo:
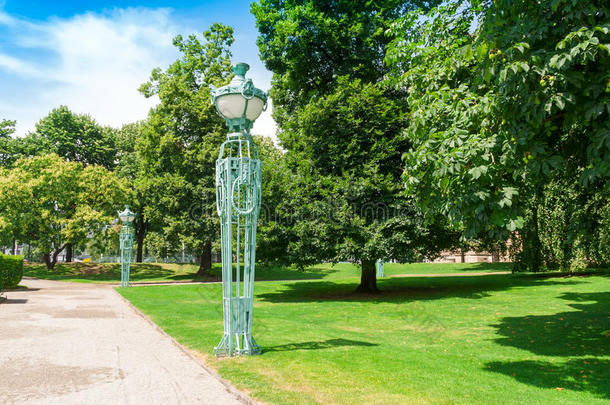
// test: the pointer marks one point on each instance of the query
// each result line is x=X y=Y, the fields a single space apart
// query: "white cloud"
x=95 y=63
x=18 y=66
x=92 y=63
x=6 y=19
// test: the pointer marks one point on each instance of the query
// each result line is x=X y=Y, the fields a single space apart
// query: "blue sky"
x=93 y=55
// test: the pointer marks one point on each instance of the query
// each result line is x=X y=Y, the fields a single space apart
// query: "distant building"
x=470 y=256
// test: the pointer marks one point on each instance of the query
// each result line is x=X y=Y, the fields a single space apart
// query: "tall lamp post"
x=238 y=200
x=126 y=238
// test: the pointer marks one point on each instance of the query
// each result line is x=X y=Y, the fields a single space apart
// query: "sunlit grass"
x=487 y=339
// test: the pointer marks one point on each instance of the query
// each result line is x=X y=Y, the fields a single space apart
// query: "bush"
x=11 y=271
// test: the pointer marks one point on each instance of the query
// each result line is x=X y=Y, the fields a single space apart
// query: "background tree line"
x=406 y=128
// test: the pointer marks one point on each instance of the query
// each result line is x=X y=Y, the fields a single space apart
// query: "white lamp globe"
x=126 y=216
x=239 y=102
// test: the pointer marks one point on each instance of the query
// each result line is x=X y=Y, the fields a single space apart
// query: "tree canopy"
x=75 y=137
x=181 y=138
x=50 y=202
x=341 y=131
x=500 y=111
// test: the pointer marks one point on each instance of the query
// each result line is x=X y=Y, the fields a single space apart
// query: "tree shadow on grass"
x=487 y=266
x=584 y=332
x=585 y=374
x=96 y=272
x=408 y=289
x=268 y=273
x=573 y=333
x=325 y=344
x=470 y=267
x=271 y=273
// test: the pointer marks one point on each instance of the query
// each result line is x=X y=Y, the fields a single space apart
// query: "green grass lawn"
x=151 y=272
x=487 y=339
x=111 y=272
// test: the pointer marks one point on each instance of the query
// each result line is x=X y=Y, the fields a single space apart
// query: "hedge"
x=11 y=271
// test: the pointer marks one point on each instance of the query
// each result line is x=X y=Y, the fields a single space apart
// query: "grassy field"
x=153 y=272
x=111 y=272
x=493 y=339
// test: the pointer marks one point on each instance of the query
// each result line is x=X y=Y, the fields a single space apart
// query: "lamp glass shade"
x=231 y=105
x=126 y=216
x=255 y=108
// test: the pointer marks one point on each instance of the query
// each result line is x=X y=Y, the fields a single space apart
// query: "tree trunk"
x=141 y=227
x=368 y=278
x=50 y=259
x=463 y=256
x=46 y=259
x=140 y=239
x=69 y=253
x=205 y=262
x=14 y=247
x=536 y=245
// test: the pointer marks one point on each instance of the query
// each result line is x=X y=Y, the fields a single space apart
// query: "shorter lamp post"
x=379 y=266
x=126 y=238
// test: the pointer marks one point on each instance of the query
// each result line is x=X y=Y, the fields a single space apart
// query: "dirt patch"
x=95 y=270
x=42 y=379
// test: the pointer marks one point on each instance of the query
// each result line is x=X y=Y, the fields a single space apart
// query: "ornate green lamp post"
x=238 y=200
x=126 y=238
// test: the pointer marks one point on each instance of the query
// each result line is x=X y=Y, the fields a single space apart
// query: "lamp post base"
x=245 y=345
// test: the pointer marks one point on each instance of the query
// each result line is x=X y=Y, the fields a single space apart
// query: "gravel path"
x=71 y=343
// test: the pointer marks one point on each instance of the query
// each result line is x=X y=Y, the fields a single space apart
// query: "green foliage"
x=50 y=202
x=271 y=236
x=498 y=113
x=308 y=44
x=145 y=195
x=75 y=137
x=11 y=271
x=7 y=127
x=572 y=229
x=180 y=141
x=341 y=131
x=343 y=200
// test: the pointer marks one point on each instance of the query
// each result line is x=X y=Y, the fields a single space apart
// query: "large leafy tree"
x=130 y=166
x=499 y=113
x=180 y=141
x=50 y=202
x=75 y=137
x=341 y=132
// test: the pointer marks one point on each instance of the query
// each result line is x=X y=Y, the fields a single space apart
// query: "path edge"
x=228 y=386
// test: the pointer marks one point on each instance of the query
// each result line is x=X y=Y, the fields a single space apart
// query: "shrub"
x=11 y=271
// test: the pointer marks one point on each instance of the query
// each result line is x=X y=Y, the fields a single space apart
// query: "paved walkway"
x=71 y=343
